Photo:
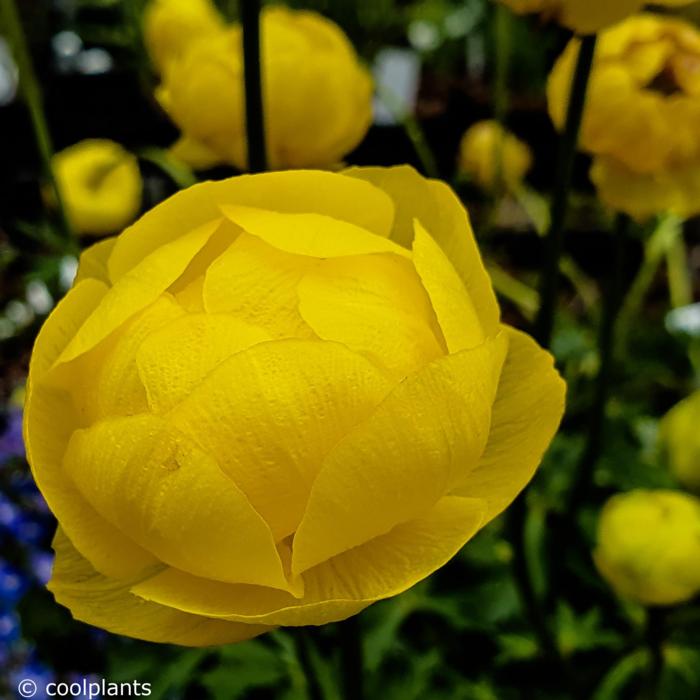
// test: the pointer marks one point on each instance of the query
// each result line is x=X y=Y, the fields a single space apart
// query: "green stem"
x=352 y=667
x=525 y=298
x=304 y=649
x=412 y=128
x=654 y=633
x=612 y=300
x=29 y=85
x=254 y=115
x=501 y=28
x=661 y=240
x=679 y=282
x=549 y=286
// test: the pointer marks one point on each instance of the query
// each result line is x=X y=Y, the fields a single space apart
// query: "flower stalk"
x=11 y=24
x=254 y=115
x=554 y=243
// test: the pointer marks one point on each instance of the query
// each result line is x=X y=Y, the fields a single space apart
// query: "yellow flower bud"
x=170 y=26
x=275 y=400
x=585 y=16
x=679 y=434
x=494 y=157
x=642 y=115
x=649 y=546
x=100 y=184
x=317 y=95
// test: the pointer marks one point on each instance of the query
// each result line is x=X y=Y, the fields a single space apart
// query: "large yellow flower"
x=276 y=399
x=317 y=96
x=642 y=115
x=493 y=156
x=170 y=26
x=649 y=546
x=100 y=185
x=585 y=16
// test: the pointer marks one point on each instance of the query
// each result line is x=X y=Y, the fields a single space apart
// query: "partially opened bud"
x=170 y=27
x=493 y=157
x=100 y=184
x=649 y=546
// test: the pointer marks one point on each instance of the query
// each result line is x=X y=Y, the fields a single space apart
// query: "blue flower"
x=11 y=442
x=13 y=585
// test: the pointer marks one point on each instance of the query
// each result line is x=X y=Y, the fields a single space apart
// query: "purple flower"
x=12 y=585
x=11 y=442
x=41 y=564
x=9 y=627
x=37 y=674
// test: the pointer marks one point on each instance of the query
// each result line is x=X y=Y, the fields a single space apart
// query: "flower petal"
x=271 y=413
x=258 y=284
x=526 y=414
x=153 y=483
x=93 y=261
x=325 y=193
x=427 y=434
x=341 y=587
x=133 y=292
x=312 y=234
x=175 y=358
x=453 y=306
x=437 y=207
x=107 y=603
x=374 y=304
x=49 y=419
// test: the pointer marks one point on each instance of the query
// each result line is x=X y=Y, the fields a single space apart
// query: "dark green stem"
x=654 y=633
x=352 y=668
x=612 y=303
x=304 y=645
x=254 y=115
x=11 y=25
x=554 y=243
x=534 y=612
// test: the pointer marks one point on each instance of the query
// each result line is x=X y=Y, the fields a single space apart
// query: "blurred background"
x=440 y=67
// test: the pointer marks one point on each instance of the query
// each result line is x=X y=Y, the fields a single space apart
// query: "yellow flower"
x=494 y=157
x=642 y=116
x=679 y=433
x=649 y=546
x=317 y=96
x=170 y=26
x=586 y=16
x=276 y=399
x=100 y=184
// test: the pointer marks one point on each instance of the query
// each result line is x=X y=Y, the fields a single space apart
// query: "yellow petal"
x=439 y=210
x=258 y=284
x=177 y=357
x=452 y=304
x=374 y=304
x=312 y=234
x=149 y=279
x=50 y=419
x=381 y=568
x=420 y=442
x=272 y=412
x=526 y=414
x=153 y=483
x=93 y=261
x=105 y=382
x=108 y=603
x=329 y=194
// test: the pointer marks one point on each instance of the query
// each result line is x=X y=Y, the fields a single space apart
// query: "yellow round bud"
x=493 y=157
x=100 y=185
x=679 y=433
x=649 y=546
